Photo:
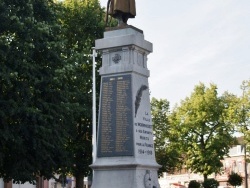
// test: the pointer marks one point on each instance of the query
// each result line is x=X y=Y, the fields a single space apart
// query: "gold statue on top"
x=122 y=10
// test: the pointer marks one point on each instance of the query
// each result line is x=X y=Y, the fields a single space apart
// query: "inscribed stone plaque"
x=115 y=137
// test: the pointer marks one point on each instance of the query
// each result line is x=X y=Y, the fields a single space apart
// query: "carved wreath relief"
x=117 y=58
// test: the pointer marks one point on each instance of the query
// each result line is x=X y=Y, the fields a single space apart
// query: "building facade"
x=234 y=162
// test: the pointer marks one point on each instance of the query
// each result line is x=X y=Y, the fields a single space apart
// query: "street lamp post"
x=245 y=144
x=93 y=106
x=93 y=55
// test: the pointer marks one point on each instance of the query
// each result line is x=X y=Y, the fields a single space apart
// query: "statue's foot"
x=122 y=24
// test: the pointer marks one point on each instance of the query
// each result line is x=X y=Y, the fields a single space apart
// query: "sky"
x=195 y=41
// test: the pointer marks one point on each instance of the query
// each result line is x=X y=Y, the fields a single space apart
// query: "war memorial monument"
x=125 y=149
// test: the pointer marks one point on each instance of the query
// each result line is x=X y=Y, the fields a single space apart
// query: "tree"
x=34 y=108
x=242 y=120
x=239 y=115
x=242 y=112
x=235 y=179
x=82 y=23
x=201 y=130
x=167 y=154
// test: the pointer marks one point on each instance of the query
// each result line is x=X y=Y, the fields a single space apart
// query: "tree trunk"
x=79 y=180
x=8 y=184
x=205 y=177
x=39 y=182
x=245 y=167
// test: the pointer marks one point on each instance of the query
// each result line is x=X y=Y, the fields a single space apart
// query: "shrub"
x=194 y=184
x=235 y=179
x=210 y=183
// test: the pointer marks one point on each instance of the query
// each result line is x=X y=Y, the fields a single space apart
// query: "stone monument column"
x=125 y=148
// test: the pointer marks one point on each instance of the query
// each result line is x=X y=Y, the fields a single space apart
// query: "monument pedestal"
x=125 y=149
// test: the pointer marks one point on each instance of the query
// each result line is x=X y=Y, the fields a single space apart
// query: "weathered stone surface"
x=125 y=148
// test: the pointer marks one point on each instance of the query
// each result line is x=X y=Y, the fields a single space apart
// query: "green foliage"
x=194 y=184
x=160 y=113
x=200 y=129
x=46 y=87
x=239 y=112
x=34 y=108
x=243 y=113
x=167 y=154
x=82 y=23
x=210 y=183
x=235 y=179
